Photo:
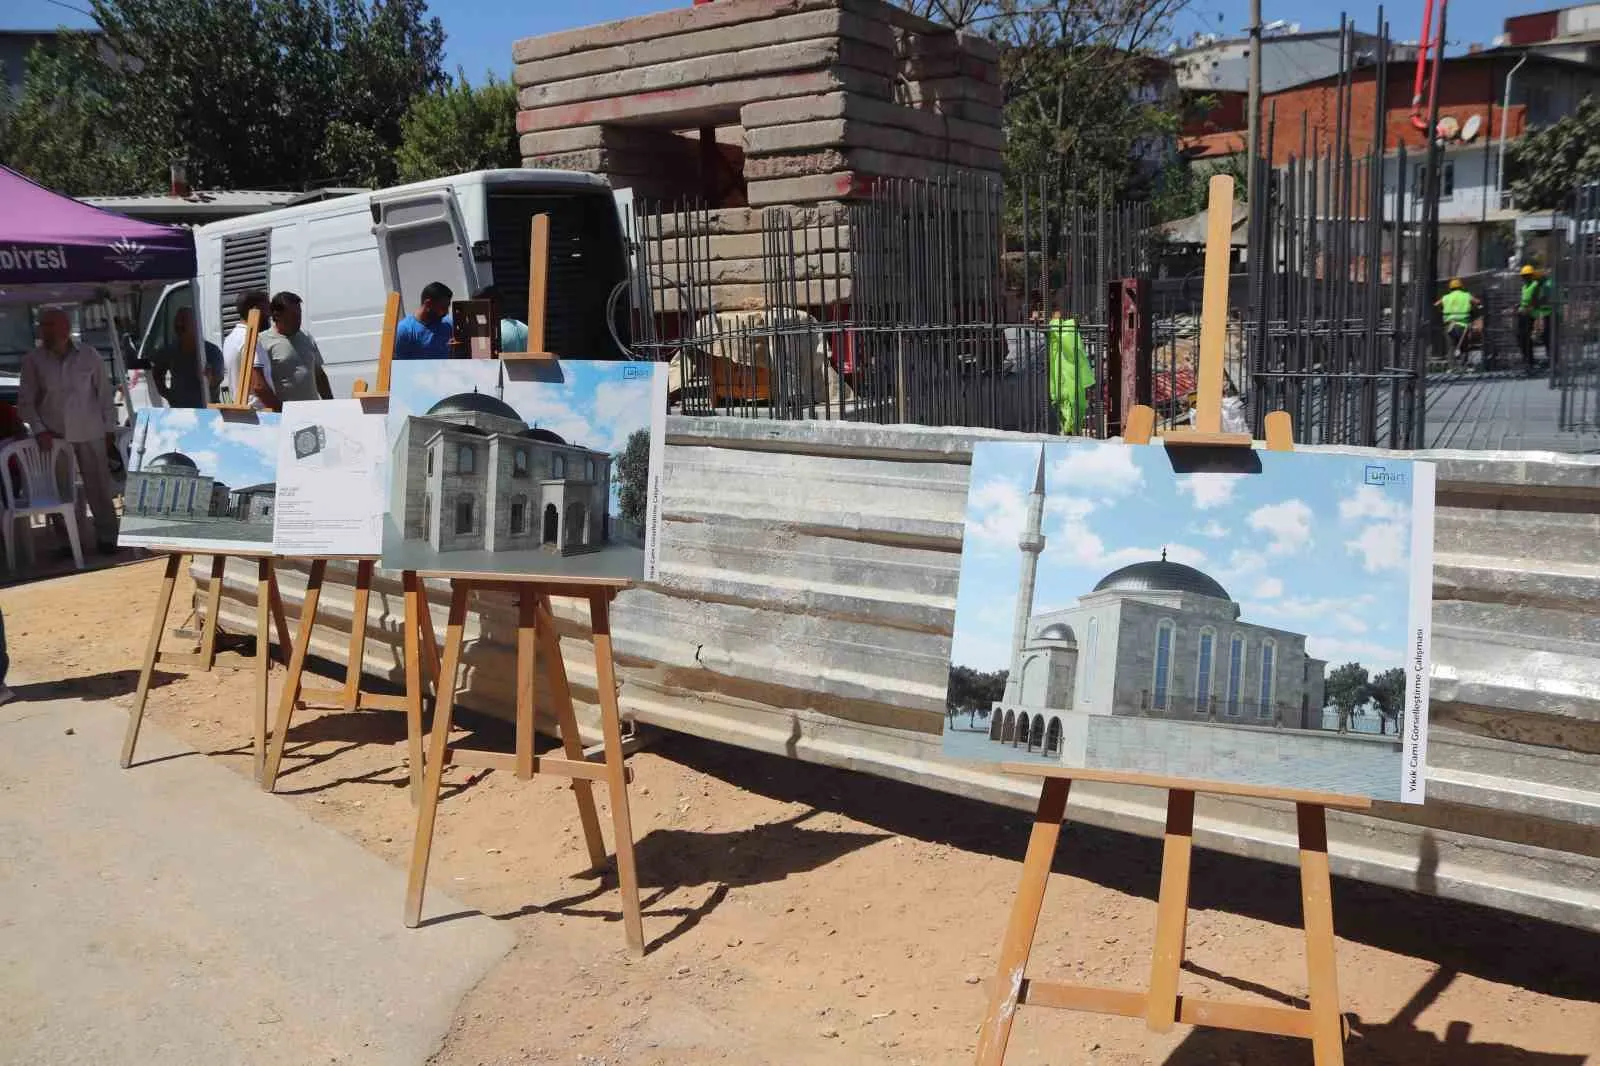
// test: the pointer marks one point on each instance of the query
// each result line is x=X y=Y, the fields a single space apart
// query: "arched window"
x=193 y=484
x=552 y=523
x=519 y=514
x=590 y=469
x=1009 y=733
x=144 y=489
x=519 y=463
x=1269 y=663
x=430 y=462
x=558 y=465
x=1204 y=668
x=1021 y=735
x=1036 y=738
x=465 y=459
x=996 y=722
x=427 y=513
x=1091 y=645
x=464 y=514
x=1052 y=738
x=1235 y=674
x=1164 y=634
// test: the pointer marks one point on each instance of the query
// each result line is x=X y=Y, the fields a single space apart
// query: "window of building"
x=1203 y=670
x=1235 y=674
x=427 y=514
x=1163 y=663
x=519 y=515
x=1447 y=181
x=519 y=463
x=1269 y=660
x=430 y=462
x=464 y=515
x=1091 y=645
x=161 y=495
x=192 y=486
x=144 y=489
x=558 y=465
x=589 y=470
x=466 y=459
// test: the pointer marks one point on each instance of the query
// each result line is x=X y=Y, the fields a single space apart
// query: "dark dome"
x=545 y=435
x=473 y=403
x=1057 y=631
x=172 y=461
x=1159 y=575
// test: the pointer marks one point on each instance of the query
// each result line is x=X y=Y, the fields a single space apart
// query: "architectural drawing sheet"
x=332 y=488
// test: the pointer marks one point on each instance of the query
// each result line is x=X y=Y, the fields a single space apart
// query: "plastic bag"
x=1233 y=415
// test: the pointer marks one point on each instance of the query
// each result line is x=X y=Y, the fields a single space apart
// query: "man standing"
x=294 y=363
x=1070 y=373
x=1533 y=310
x=178 y=377
x=426 y=333
x=1460 y=307
x=66 y=394
x=258 y=394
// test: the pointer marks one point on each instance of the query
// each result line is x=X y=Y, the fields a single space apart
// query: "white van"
x=344 y=255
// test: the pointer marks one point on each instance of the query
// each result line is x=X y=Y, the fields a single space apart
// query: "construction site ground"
x=801 y=915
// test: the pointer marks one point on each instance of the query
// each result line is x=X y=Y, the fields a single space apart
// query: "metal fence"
x=1573 y=340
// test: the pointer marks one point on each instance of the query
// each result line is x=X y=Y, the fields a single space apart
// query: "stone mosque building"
x=1156 y=639
x=474 y=476
x=172 y=487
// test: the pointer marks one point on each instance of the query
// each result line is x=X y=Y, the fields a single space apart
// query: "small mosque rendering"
x=172 y=488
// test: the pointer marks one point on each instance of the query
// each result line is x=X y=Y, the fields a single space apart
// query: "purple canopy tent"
x=56 y=244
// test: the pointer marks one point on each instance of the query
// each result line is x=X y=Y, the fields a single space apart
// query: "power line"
x=70 y=7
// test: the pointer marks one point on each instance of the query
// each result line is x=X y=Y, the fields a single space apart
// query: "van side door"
x=421 y=239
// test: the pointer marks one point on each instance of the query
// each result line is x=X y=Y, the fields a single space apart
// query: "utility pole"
x=1253 y=127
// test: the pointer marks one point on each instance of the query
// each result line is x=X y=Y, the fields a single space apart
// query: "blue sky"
x=596 y=405
x=480 y=33
x=237 y=453
x=1303 y=546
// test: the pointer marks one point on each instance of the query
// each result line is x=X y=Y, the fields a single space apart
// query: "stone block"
x=843 y=185
x=821 y=53
x=699 y=105
x=800 y=109
x=740 y=220
x=841 y=133
x=941 y=91
x=679 y=21
x=860 y=160
x=711 y=45
x=738 y=246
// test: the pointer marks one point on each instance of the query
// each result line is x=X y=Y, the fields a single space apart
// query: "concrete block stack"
x=749 y=104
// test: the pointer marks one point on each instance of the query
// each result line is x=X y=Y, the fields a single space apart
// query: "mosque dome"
x=473 y=403
x=176 y=462
x=545 y=435
x=1161 y=575
x=1058 y=631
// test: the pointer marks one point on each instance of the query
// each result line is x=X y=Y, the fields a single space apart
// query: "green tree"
x=632 y=466
x=1184 y=188
x=1547 y=164
x=973 y=692
x=58 y=127
x=1347 y=689
x=1388 y=692
x=460 y=128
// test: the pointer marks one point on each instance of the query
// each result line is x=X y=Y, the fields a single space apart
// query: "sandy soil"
x=801 y=915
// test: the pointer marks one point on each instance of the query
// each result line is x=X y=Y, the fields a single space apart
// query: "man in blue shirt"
x=426 y=333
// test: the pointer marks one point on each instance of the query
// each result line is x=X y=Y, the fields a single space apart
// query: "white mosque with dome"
x=1154 y=640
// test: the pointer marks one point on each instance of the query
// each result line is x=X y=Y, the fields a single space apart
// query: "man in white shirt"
x=66 y=394
x=260 y=396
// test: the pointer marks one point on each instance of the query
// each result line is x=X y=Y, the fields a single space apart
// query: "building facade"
x=472 y=476
x=171 y=486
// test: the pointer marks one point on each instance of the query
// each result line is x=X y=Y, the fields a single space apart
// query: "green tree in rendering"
x=972 y=691
x=1347 y=689
x=632 y=466
x=1388 y=692
x=460 y=128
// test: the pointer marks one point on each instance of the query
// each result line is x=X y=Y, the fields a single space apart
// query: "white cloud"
x=1269 y=588
x=1105 y=470
x=1336 y=652
x=1382 y=546
x=996 y=512
x=1213 y=529
x=545 y=408
x=1370 y=502
x=1287 y=523
x=1209 y=490
x=205 y=458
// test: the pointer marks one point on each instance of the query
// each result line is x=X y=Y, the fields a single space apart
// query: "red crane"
x=1431 y=42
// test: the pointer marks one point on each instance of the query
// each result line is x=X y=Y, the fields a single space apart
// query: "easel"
x=421 y=649
x=268 y=603
x=536 y=638
x=1160 y=1005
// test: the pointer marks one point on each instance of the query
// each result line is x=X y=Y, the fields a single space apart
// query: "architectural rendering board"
x=332 y=488
x=1257 y=618
x=541 y=469
x=201 y=480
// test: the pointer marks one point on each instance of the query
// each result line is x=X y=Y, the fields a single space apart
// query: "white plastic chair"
x=38 y=491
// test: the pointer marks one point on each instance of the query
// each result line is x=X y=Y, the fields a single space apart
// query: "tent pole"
x=119 y=365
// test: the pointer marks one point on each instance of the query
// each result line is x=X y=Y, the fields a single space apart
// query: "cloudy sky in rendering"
x=1306 y=545
x=238 y=451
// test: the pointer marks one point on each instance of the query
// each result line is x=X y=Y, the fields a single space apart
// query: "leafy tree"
x=1184 y=188
x=632 y=466
x=1548 y=163
x=1347 y=689
x=1388 y=692
x=460 y=128
x=58 y=126
x=973 y=691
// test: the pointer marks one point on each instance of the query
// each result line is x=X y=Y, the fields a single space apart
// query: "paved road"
x=1511 y=413
x=175 y=914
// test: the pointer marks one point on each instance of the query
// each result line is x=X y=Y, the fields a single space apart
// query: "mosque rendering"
x=471 y=475
x=1153 y=640
x=172 y=488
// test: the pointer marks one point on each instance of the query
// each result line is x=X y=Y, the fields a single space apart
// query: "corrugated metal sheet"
x=808 y=594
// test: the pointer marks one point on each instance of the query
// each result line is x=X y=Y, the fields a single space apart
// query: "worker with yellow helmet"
x=1458 y=307
x=1533 y=313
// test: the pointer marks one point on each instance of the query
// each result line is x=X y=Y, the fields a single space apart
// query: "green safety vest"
x=1457 y=307
x=1536 y=297
x=1070 y=373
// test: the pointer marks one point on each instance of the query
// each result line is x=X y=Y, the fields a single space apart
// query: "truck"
x=344 y=255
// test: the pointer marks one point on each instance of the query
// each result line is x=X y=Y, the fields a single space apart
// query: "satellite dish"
x=1448 y=127
x=1473 y=125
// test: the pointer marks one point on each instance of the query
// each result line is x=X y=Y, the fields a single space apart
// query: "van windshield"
x=587 y=262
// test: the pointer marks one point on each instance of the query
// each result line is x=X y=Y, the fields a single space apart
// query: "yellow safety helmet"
x=1527 y=270
x=1455 y=283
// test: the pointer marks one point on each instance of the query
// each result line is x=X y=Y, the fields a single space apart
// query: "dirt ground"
x=801 y=915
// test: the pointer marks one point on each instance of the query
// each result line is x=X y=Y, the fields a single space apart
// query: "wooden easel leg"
x=280 y=620
x=567 y=719
x=358 y=636
x=430 y=642
x=152 y=648
x=208 y=634
x=1024 y=923
x=263 y=661
x=297 y=667
x=438 y=744
x=1172 y=912
x=616 y=772
x=415 y=619
x=1316 y=897
x=527 y=615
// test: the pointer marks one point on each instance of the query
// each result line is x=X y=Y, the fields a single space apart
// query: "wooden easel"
x=536 y=637
x=1160 y=1004
x=268 y=603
